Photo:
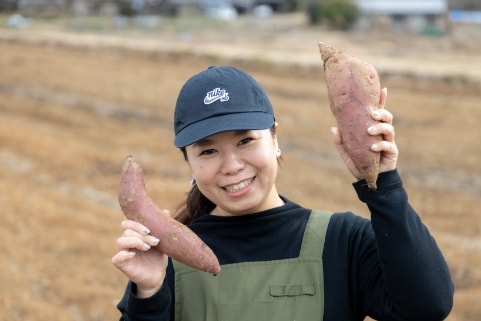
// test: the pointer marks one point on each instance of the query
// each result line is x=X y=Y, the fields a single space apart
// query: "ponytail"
x=194 y=203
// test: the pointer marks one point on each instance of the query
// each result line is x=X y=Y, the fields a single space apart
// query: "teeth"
x=238 y=187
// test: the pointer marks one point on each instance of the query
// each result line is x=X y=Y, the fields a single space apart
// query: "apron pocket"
x=291 y=290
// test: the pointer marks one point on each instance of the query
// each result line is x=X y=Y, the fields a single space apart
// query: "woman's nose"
x=231 y=163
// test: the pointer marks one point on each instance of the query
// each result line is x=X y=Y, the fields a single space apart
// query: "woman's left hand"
x=387 y=147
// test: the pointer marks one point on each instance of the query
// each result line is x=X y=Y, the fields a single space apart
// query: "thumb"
x=336 y=134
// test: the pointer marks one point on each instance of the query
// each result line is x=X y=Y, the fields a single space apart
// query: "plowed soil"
x=74 y=104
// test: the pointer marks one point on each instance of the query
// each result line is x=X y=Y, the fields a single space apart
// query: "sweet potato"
x=354 y=90
x=176 y=239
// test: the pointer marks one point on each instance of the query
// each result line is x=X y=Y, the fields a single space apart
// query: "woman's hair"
x=196 y=202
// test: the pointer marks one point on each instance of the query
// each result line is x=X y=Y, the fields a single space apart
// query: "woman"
x=280 y=261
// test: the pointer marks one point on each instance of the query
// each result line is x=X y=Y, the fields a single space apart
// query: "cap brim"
x=222 y=123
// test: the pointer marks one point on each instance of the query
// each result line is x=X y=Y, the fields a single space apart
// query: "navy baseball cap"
x=219 y=99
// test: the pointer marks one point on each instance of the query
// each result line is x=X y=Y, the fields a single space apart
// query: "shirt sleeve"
x=153 y=308
x=413 y=280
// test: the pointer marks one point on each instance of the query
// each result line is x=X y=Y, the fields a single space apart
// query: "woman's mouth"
x=240 y=186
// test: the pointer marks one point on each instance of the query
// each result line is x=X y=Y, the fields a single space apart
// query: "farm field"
x=74 y=102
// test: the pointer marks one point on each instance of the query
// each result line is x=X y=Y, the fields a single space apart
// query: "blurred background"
x=85 y=83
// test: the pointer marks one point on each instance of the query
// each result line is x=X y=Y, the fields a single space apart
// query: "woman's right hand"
x=143 y=265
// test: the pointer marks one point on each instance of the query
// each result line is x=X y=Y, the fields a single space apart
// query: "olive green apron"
x=289 y=289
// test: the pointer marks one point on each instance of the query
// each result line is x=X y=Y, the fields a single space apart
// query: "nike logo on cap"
x=216 y=94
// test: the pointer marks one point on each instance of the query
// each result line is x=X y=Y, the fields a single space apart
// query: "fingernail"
x=155 y=240
x=146 y=231
x=376 y=113
x=132 y=253
x=146 y=246
x=373 y=146
x=371 y=129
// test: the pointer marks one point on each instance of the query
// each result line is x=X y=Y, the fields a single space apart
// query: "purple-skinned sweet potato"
x=354 y=90
x=176 y=239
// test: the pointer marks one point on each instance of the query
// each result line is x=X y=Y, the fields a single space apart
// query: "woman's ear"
x=274 y=139
x=278 y=152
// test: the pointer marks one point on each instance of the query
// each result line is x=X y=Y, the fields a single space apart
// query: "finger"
x=336 y=135
x=389 y=149
x=383 y=98
x=128 y=243
x=382 y=115
x=149 y=239
x=384 y=129
x=389 y=154
x=134 y=225
x=122 y=257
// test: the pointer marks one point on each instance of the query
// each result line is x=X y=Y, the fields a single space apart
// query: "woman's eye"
x=245 y=141
x=208 y=152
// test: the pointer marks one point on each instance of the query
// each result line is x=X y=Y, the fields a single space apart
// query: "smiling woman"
x=225 y=126
x=279 y=260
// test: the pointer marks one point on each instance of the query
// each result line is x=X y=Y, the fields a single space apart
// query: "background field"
x=76 y=99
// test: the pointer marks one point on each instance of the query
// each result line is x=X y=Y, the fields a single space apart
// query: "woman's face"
x=237 y=170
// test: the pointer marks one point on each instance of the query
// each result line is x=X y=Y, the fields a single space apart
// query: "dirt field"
x=74 y=104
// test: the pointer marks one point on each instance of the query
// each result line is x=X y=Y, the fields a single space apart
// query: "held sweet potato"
x=354 y=90
x=176 y=240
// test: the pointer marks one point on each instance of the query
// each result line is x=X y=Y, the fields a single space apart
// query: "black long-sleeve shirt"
x=388 y=268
